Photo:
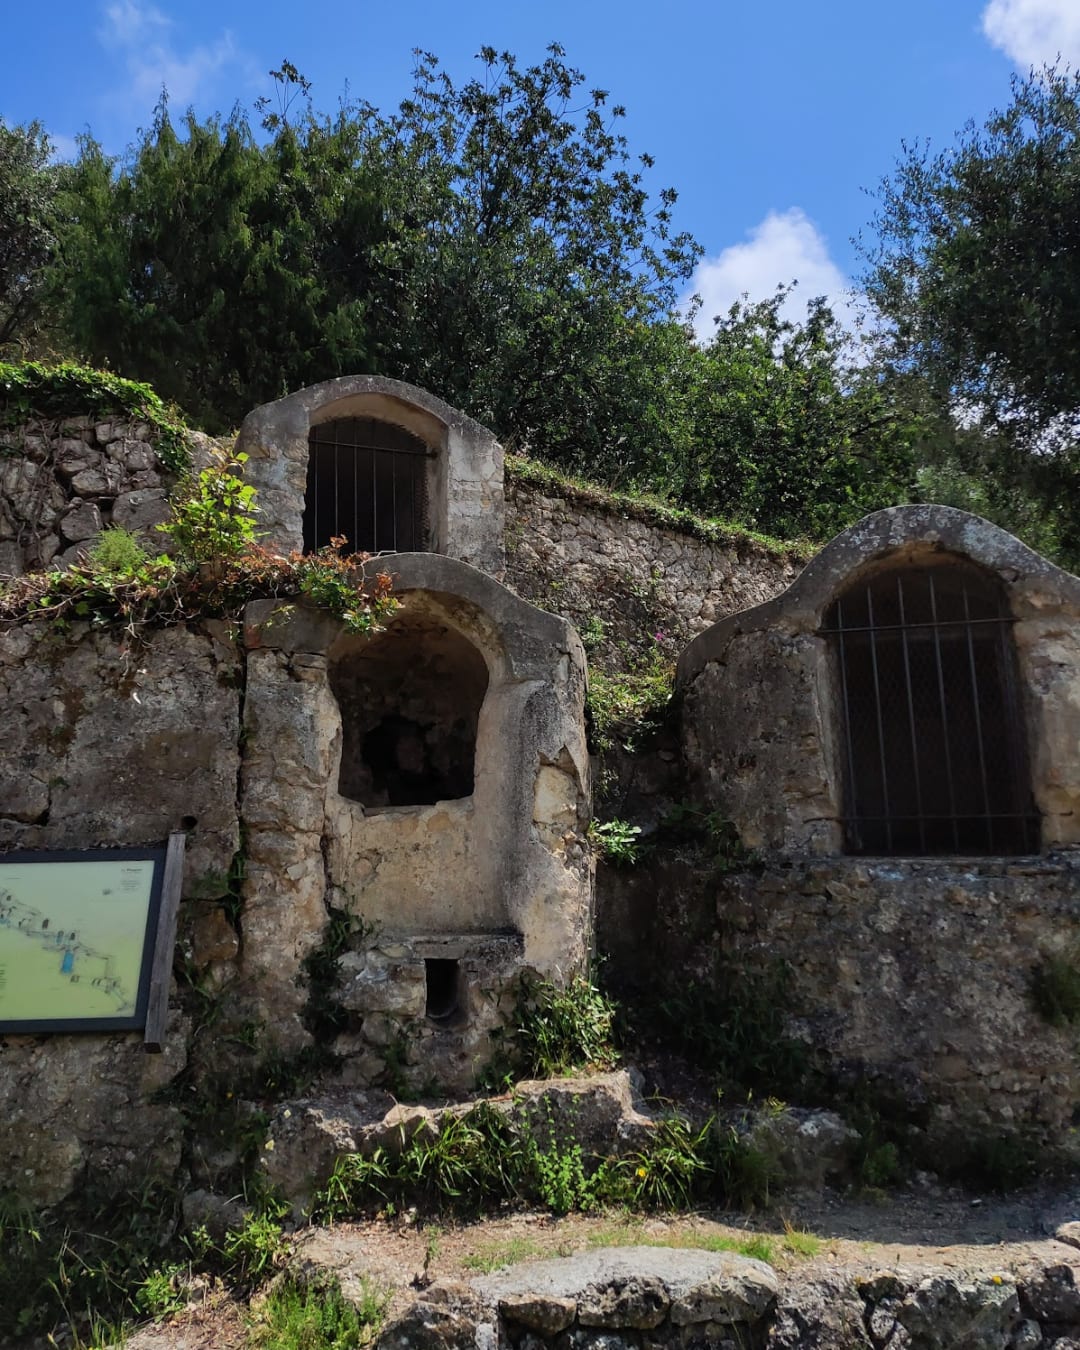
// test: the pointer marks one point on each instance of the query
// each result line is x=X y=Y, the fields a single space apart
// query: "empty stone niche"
x=444 y=761
x=410 y=703
x=912 y=693
x=384 y=464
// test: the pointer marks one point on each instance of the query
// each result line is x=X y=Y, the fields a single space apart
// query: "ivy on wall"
x=30 y=389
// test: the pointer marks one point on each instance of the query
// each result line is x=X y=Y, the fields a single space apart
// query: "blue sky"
x=770 y=119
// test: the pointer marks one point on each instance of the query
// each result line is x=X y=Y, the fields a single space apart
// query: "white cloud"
x=64 y=148
x=1034 y=32
x=785 y=247
x=144 y=39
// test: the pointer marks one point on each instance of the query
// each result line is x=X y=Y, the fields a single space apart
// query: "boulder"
x=306 y=1138
x=946 y=1313
x=598 y=1112
x=804 y=1148
x=634 y=1289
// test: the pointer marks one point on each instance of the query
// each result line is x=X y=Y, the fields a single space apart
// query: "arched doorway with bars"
x=386 y=466
x=934 y=752
x=368 y=482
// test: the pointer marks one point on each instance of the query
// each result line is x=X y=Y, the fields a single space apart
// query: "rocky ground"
x=923 y=1268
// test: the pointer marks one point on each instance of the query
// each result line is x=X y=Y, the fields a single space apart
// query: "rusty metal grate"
x=367 y=480
x=935 y=754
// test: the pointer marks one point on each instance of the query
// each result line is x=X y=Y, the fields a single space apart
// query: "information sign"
x=77 y=938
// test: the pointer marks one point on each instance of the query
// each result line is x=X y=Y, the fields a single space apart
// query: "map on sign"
x=73 y=938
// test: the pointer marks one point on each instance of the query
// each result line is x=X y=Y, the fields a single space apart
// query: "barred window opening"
x=367 y=481
x=935 y=756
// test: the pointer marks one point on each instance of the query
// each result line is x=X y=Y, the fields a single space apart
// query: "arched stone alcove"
x=410 y=703
x=340 y=442
x=962 y=642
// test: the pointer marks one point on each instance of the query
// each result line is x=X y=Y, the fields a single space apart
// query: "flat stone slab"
x=634 y=1287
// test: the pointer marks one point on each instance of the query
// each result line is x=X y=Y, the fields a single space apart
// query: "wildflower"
x=642 y=1173
x=269 y=1146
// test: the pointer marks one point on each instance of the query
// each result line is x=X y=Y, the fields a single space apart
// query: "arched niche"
x=929 y=711
x=410 y=700
x=444 y=497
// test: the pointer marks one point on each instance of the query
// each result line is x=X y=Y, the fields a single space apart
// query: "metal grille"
x=935 y=752
x=367 y=481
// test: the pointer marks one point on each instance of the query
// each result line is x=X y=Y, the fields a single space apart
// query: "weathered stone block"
x=82 y=520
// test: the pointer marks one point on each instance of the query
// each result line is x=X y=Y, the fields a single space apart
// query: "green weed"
x=616 y=841
x=628 y=706
x=161 y=1293
x=1055 y=990
x=496 y=1255
x=800 y=1243
x=316 y=1317
x=557 y=1028
x=117 y=551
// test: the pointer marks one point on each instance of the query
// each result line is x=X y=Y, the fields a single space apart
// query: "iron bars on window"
x=367 y=481
x=935 y=755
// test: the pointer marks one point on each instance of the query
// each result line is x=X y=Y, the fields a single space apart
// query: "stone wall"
x=581 y=555
x=61 y=482
x=911 y=975
x=105 y=745
x=589 y=559
x=908 y=980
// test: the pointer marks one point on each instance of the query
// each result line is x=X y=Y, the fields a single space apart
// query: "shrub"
x=213 y=511
x=1055 y=990
x=316 y=1317
x=558 y=1028
x=616 y=841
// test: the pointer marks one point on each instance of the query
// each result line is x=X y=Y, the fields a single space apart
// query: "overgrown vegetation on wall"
x=31 y=391
x=216 y=567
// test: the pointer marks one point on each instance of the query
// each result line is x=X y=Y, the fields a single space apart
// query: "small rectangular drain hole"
x=443 y=989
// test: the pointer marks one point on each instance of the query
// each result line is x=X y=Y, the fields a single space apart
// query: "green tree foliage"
x=978 y=260
x=977 y=273
x=220 y=270
x=495 y=242
x=529 y=261
x=27 y=203
x=793 y=425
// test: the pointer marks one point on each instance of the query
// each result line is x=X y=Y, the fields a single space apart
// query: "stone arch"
x=456 y=487
x=762 y=697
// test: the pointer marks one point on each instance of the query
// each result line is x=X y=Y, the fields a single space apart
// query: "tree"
x=794 y=433
x=977 y=266
x=489 y=242
x=220 y=270
x=976 y=271
x=27 y=199
x=528 y=259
